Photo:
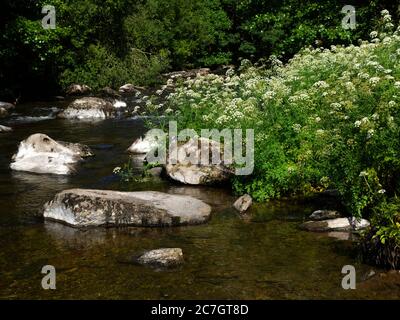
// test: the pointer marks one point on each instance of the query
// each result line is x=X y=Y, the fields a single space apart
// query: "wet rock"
x=78 y=89
x=85 y=208
x=119 y=104
x=324 y=215
x=338 y=224
x=88 y=108
x=164 y=257
x=243 y=203
x=144 y=144
x=5 y=109
x=130 y=88
x=189 y=169
x=5 y=129
x=41 y=154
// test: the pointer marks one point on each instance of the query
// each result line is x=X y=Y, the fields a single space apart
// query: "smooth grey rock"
x=338 y=224
x=5 y=108
x=41 y=154
x=189 y=169
x=324 y=215
x=85 y=208
x=243 y=203
x=164 y=257
x=88 y=108
x=5 y=129
x=130 y=88
x=144 y=144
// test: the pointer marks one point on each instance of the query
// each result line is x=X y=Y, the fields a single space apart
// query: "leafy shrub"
x=329 y=118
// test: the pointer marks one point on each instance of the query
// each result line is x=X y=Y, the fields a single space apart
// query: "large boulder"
x=78 y=89
x=86 y=208
x=88 y=108
x=164 y=257
x=192 y=171
x=144 y=144
x=41 y=154
x=338 y=224
x=5 y=129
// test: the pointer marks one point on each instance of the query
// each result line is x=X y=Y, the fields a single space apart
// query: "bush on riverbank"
x=328 y=119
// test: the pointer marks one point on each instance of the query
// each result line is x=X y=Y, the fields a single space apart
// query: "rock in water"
x=78 y=89
x=129 y=88
x=85 y=208
x=165 y=257
x=5 y=129
x=144 y=144
x=5 y=108
x=189 y=169
x=243 y=203
x=339 y=224
x=324 y=215
x=88 y=108
x=41 y=154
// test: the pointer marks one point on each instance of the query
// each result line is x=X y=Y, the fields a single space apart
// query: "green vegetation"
x=112 y=42
x=327 y=119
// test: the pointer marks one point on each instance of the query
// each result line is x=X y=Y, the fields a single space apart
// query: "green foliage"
x=138 y=40
x=329 y=118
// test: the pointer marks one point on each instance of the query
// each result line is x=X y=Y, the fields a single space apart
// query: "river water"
x=263 y=257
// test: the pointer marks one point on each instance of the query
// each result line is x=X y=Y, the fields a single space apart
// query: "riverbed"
x=264 y=256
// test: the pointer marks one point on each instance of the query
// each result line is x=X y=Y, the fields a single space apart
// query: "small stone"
x=164 y=257
x=243 y=203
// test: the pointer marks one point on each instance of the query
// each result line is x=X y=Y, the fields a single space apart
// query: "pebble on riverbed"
x=164 y=257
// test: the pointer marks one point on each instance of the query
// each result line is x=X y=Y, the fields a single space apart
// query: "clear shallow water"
x=265 y=257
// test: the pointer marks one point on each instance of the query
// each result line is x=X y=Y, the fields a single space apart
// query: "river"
x=264 y=257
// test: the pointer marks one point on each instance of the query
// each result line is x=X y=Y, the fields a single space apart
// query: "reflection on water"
x=265 y=257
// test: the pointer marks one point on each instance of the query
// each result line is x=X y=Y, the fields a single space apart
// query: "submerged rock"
x=78 y=89
x=41 y=154
x=164 y=257
x=5 y=129
x=88 y=108
x=85 y=208
x=324 y=215
x=338 y=224
x=189 y=169
x=243 y=203
x=144 y=144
